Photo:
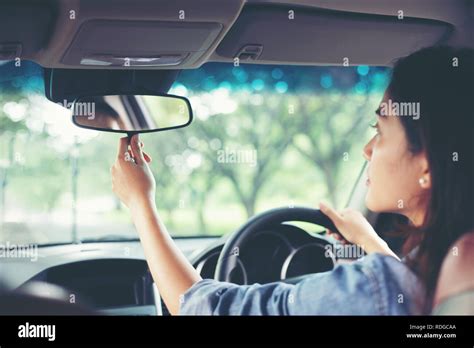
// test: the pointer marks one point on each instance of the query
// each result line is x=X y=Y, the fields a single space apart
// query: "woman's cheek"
x=375 y=196
x=382 y=190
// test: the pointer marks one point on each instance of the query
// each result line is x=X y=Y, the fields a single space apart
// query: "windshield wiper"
x=110 y=238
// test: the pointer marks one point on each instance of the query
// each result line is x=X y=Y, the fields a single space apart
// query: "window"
x=263 y=137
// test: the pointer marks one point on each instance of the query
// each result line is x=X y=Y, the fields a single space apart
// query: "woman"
x=420 y=166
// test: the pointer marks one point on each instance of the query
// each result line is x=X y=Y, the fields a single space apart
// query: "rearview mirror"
x=132 y=113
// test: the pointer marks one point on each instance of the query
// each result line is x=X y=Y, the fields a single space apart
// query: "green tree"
x=330 y=126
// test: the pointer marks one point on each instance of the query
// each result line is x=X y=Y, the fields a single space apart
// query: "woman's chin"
x=377 y=206
x=372 y=204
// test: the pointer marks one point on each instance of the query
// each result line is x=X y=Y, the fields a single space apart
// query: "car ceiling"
x=189 y=33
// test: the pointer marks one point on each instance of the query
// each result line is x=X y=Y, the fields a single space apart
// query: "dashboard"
x=110 y=286
x=113 y=278
x=110 y=278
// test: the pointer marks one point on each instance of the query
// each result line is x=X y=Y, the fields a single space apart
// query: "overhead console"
x=278 y=33
x=141 y=34
x=148 y=43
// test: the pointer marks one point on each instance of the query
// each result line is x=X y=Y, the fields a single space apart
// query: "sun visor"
x=148 y=43
x=279 y=34
x=24 y=29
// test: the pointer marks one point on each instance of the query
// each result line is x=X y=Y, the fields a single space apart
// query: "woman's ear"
x=425 y=174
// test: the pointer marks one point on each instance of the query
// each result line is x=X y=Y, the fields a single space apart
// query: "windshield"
x=263 y=137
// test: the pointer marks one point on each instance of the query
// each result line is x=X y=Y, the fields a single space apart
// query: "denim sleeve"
x=363 y=287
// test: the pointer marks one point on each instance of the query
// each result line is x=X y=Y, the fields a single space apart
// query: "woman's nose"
x=368 y=149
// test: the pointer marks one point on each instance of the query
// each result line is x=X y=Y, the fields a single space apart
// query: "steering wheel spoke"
x=229 y=261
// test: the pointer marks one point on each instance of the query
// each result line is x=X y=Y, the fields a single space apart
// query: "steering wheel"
x=228 y=258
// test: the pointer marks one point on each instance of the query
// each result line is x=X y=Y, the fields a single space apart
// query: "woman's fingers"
x=331 y=213
x=147 y=157
x=334 y=235
x=137 y=150
x=329 y=232
x=122 y=148
x=337 y=237
x=132 y=183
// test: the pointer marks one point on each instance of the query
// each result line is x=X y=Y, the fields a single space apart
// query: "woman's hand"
x=355 y=229
x=352 y=225
x=132 y=180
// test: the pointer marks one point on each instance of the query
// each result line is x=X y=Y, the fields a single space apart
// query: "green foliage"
x=250 y=148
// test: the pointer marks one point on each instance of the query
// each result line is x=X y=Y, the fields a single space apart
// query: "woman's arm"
x=355 y=228
x=172 y=272
x=135 y=186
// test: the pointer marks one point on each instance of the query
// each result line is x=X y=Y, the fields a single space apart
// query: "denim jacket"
x=374 y=285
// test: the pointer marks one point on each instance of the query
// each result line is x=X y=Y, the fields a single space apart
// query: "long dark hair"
x=441 y=80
